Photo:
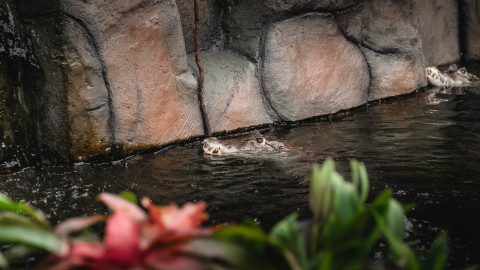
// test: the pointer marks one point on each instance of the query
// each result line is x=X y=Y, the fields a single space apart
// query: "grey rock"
x=388 y=33
x=108 y=81
x=471 y=29
x=88 y=97
x=17 y=132
x=310 y=69
x=393 y=75
x=50 y=98
x=211 y=28
x=438 y=26
x=151 y=104
x=232 y=91
x=247 y=18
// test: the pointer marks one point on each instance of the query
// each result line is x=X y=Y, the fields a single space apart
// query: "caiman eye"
x=462 y=71
x=215 y=151
x=260 y=140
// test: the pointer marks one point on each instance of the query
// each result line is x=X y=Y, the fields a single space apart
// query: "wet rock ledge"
x=92 y=78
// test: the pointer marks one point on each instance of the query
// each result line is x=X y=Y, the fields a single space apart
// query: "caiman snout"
x=251 y=144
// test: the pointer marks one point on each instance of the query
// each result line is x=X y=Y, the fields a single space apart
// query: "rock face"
x=471 y=30
x=311 y=69
x=152 y=95
x=438 y=26
x=123 y=89
x=391 y=44
x=89 y=112
x=18 y=145
x=232 y=91
x=211 y=30
x=246 y=19
x=111 y=77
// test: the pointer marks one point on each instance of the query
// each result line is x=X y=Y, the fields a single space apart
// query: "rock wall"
x=111 y=77
x=470 y=31
x=18 y=145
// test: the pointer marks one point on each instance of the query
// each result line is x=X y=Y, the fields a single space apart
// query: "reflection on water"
x=426 y=148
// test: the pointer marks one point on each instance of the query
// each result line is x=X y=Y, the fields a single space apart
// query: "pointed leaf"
x=364 y=185
x=287 y=234
x=122 y=239
x=15 y=219
x=345 y=200
x=3 y=262
x=437 y=255
x=238 y=256
x=116 y=203
x=251 y=236
x=31 y=237
x=6 y=204
x=395 y=218
x=77 y=224
x=321 y=190
x=403 y=254
x=355 y=172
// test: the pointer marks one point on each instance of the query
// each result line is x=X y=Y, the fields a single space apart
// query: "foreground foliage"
x=340 y=235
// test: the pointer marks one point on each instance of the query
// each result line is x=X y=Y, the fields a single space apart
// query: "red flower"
x=171 y=223
x=134 y=240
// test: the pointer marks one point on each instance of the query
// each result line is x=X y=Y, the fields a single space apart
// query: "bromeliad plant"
x=133 y=238
x=340 y=235
x=343 y=230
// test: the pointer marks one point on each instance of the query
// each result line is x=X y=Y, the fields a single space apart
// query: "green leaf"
x=3 y=262
x=364 y=182
x=33 y=237
x=321 y=190
x=403 y=254
x=18 y=252
x=326 y=261
x=232 y=254
x=129 y=196
x=14 y=219
x=6 y=204
x=355 y=173
x=395 y=218
x=289 y=237
x=436 y=257
x=248 y=235
x=345 y=199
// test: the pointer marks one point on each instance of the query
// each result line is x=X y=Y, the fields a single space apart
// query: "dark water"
x=425 y=147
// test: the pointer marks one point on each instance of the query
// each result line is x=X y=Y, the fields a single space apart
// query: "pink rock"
x=234 y=98
x=310 y=69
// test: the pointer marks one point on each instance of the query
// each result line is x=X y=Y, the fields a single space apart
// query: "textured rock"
x=88 y=98
x=247 y=18
x=50 y=97
x=394 y=34
x=439 y=31
x=18 y=146
x=153 y=97
x=211 y=30
x=471 y=30
x=115 y=72
x=310 y=69
x=232 y=91
x=392 y=76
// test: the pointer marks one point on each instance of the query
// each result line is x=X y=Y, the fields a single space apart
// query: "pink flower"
x=134 y=240
x=171 y=223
